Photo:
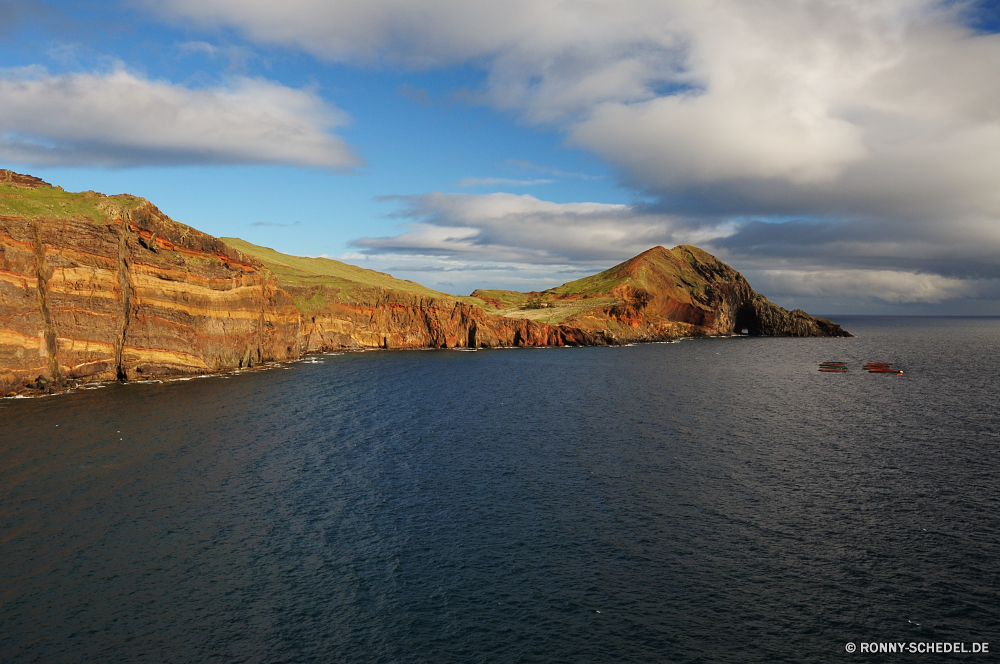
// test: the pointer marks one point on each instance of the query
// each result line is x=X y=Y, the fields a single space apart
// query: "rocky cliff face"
x=393 y=319
x=664 y=294
x=94 y=287
x=129 y=294
x=659 y=295
x=712 y=298
x=347 y=307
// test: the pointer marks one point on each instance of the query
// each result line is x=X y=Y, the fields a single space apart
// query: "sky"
x=843 y=154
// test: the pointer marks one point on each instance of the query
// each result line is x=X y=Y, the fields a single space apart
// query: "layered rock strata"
x=665 y=294
x=393 y=319
x=102 y=288
x=659 y=295
x=133 y=296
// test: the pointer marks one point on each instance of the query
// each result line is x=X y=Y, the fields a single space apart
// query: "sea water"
x=714 y=500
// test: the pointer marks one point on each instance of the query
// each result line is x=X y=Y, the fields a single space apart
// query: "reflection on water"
x=715 y=500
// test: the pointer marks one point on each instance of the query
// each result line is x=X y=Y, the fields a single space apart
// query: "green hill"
x=314 y=281
x=656 y=270
x=30 y=197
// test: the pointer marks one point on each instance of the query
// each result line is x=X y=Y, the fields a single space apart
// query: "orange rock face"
x=137 y=298
x=392 y=319
x=680 y=293
x=664 y=294
x=127 y=293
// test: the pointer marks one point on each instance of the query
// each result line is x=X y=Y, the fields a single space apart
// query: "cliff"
x=658 y=295
x=662 y=294
x=96 y=287
x=344 y=306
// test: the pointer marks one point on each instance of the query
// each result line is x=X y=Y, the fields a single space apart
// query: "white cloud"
x=564 y=56
x=238 y=56
x=887 y=286
x=878 y=115
x=771 y=104
x=524 y=229
x=199 y=47
x=522 y=165
x=121 y=119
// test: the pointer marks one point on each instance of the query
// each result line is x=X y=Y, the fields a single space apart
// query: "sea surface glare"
x=711 y=500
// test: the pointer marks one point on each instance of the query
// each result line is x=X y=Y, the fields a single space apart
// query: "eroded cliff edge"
x=663 y=294
x=659 y=295
x=96 y=287
x=101 y=288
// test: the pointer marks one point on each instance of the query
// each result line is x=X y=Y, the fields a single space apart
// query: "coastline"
x=82 y=385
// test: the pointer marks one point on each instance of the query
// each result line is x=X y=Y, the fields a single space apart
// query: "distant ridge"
x=663 y=293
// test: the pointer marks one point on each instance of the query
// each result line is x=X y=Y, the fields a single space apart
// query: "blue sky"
x=844 y=156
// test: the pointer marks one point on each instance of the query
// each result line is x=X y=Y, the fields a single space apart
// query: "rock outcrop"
x=346 y=307
x=663 y=294
x=393 y=319
x=96 y=287
x=125 y=294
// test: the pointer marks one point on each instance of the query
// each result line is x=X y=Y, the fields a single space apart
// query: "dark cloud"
x=860 y=244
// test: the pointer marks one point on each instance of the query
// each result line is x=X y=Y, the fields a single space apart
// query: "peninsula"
x=96 y=288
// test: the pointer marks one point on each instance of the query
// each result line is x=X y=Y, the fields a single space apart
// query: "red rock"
x=135 y=294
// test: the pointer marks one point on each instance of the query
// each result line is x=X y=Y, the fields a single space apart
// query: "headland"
x=98 y=288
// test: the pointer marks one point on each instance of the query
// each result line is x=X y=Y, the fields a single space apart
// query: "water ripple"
x=714 y=500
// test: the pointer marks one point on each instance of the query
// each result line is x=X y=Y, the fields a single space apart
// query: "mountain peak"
x=651 y=271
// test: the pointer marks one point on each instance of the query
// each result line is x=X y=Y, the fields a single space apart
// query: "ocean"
x=712 y=500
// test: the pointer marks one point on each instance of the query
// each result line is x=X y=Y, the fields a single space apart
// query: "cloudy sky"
x=843 y=154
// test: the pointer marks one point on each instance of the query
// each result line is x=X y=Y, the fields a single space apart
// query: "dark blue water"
x=704 y=501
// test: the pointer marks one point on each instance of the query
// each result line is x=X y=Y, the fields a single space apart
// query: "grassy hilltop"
x=30 y=197
x=327 y=304
x=658 y=270
x=316 y=282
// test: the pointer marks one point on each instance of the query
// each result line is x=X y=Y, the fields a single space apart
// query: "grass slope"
x=54 y=203
x=300 y=272
x=315 y=280
x=653 y=271
x=554 y=312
